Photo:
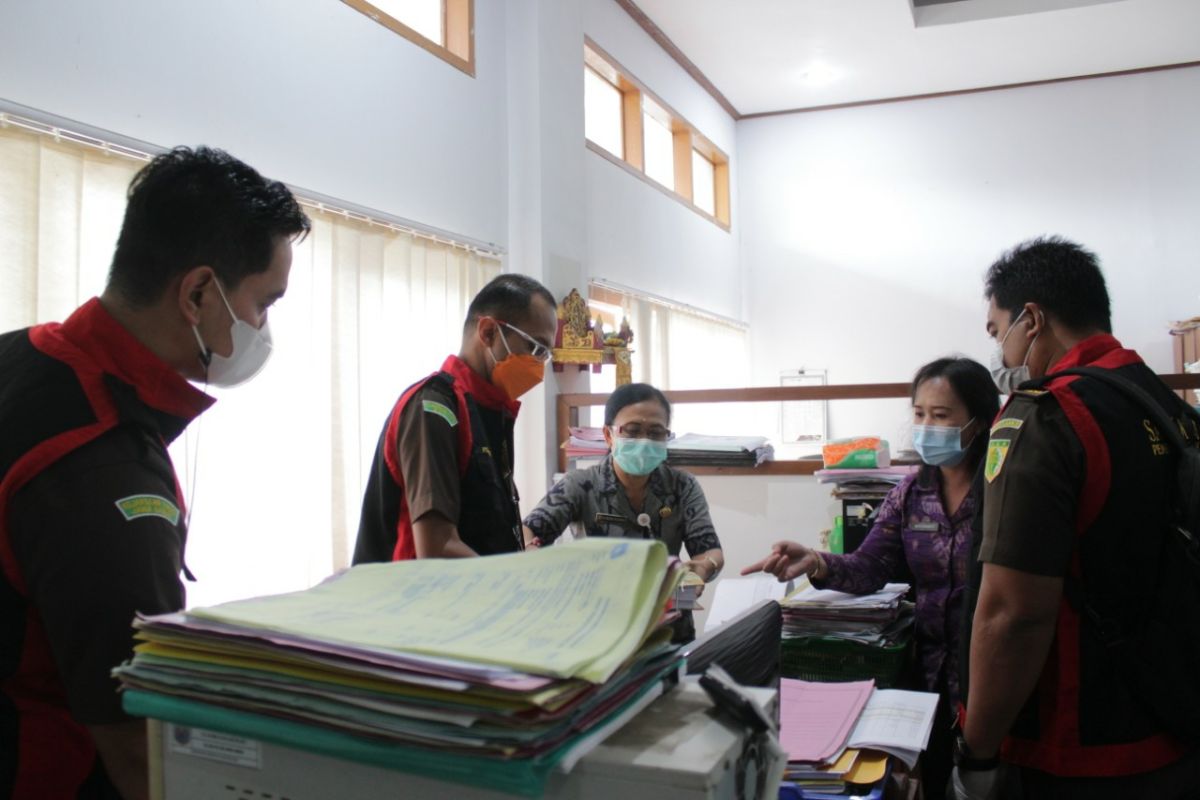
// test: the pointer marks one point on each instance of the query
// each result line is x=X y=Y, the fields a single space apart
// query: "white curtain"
x=275 y=470
x=675 y=348
x=61 y=206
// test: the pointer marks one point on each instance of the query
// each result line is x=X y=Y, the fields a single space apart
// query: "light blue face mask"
x=639 y=456
x=940 y=446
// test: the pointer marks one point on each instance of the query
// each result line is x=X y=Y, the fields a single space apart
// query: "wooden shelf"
x=569 y=405
x=796 y=467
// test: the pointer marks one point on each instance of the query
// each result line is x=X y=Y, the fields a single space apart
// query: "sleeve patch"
x=997 y=452
x=1007 y=423
x=137 y=506
x=441 y=410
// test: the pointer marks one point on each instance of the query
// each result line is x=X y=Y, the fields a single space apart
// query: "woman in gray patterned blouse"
x=633 y=492
x=922 y=533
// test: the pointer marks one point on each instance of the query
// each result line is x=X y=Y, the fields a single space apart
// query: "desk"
x=677 y=748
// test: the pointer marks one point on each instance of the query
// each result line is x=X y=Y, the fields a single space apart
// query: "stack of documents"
x=838 y=735
x=693 y=449
x=878 y=619
x=586 y=443
x=864 y=484
x=486 y=671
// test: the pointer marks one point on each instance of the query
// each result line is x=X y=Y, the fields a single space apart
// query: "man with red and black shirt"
x=92 y=524
x=441 y=485
x=1075 y=495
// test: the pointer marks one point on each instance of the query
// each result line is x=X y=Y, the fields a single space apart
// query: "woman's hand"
x=790 y=560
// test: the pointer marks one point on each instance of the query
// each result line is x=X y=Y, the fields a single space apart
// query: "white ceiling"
x=772 y=55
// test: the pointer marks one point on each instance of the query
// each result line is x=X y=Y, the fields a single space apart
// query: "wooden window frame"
x=458 y=28
x=685 y=138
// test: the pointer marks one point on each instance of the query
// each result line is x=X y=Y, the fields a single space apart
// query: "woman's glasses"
x=636 y=430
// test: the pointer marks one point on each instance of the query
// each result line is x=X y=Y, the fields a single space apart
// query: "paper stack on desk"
x=841 y=733
x=878 y=618
x=487 y=671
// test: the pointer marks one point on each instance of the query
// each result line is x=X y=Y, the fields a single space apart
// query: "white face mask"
x=1007 y=379
x=251 y=349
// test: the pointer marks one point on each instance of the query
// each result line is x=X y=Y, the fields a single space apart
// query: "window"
x=443 y=27
x=626 y=124
x=602 y=112
x=660 y=144
x=704 y=191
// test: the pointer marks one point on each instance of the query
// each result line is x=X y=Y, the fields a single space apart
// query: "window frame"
x=685 y=139
x=458 y=29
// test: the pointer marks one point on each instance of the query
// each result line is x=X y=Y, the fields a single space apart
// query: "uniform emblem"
x=996 y=453
x=441 y=410
x=137 y=506
x=1008 y=423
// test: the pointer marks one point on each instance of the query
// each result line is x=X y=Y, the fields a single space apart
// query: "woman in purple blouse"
x=922 y=532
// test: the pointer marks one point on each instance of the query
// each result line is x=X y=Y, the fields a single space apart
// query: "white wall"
x=308 y=91
x=638 y=236
x=866 y=231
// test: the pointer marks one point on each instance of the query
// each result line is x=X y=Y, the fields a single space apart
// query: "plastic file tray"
x=824 y=658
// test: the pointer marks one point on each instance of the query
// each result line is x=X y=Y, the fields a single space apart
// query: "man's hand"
x=788 y=560
x=974 y=784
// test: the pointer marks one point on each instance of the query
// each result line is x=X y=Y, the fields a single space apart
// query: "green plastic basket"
x=823 y=658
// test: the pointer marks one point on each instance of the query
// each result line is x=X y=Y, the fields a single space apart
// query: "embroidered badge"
x=996 y=453
x=1008 y=423
x=148 y=505
x=441 y=410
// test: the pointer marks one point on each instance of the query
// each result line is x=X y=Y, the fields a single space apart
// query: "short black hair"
x=506 y=297
x=188 y=208
x=1059 y=275
x=973 y=385
x=632 y=393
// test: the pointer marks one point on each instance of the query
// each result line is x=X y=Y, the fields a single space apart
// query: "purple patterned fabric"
x=905 y=545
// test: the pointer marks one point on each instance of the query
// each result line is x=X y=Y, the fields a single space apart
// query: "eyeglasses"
x=636 y=430
x=536 y=348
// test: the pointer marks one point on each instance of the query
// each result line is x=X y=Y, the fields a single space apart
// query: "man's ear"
x=486 y=327
x=193 y=287
x=1037 y=320
x=608 y=438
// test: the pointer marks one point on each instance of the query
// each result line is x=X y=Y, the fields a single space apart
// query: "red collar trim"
x=484 y=391
x=1102 y=350
x=114 y=350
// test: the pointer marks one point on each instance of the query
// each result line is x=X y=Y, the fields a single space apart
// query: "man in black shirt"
x=92 y=524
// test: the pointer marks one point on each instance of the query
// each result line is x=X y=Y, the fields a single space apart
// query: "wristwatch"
x=712 y=563
x=964 y=760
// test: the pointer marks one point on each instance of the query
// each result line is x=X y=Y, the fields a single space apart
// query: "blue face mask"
x=940 y=446
x=639 y=456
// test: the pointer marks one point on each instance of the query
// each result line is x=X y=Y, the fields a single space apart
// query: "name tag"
x=926 y=526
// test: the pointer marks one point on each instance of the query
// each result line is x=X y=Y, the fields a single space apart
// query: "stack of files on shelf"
x=864 y=484
x=693 y=449
x=877 y=619
x=586 y=443
x=838 y=736
x=484 y=671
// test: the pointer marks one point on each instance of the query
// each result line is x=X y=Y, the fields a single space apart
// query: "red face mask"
x=516 y=374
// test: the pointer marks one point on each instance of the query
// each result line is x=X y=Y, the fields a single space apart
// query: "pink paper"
x=815 y=719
